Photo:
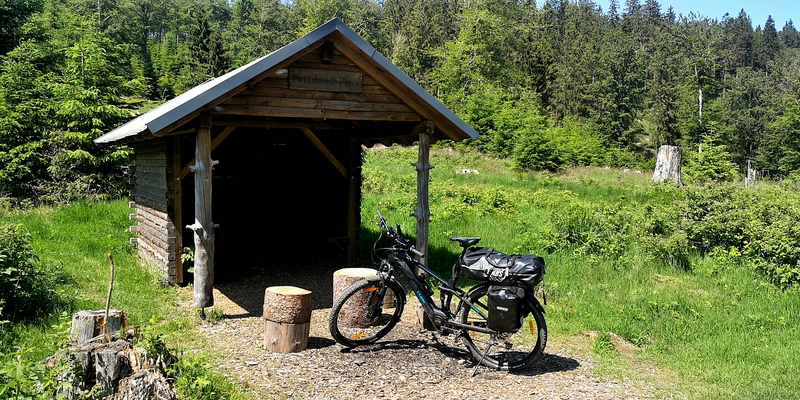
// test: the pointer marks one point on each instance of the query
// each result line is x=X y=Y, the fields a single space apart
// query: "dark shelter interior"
x=276 y=198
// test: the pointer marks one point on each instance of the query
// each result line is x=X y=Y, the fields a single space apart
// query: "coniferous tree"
x=13 y=14
x=663 y=89
x=739 y=41
x=789 y=35
x=768 y=45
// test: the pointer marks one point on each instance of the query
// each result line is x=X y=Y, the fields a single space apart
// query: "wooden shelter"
x=283 y=135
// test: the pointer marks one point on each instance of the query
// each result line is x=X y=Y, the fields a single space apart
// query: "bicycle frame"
x=441 y=317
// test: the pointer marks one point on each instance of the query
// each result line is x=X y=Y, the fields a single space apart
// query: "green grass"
x=716 y=328
x=77 y=239
x=721 y=328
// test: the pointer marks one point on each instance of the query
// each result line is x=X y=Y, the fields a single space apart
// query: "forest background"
x=548 y=84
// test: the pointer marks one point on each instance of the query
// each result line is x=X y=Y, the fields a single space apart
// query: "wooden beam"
x=336 y=105
x=354 y=202
x=203 y=226
x=423 y=166
x=275 y=92
x=267 y=123
x=216 y=142
x=324 y=150
x=177 y=206
x=318 y=113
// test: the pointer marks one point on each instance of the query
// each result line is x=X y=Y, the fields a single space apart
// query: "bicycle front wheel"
x=366 y=312
x=504 y=351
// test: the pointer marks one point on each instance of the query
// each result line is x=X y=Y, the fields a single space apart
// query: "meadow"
x=702 y=279
x=673 y=270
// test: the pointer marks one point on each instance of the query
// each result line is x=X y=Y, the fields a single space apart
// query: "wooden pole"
x=423 y=166
x=177 y=206
x=354 y=202
x=203 y=227
x=108 y=299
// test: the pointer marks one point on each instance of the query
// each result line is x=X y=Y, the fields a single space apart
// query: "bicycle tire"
x=349 y=321
x=511 y=351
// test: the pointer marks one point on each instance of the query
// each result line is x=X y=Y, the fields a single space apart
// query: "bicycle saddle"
x=466 y=241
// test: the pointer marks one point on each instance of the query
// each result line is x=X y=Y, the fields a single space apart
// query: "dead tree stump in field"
x=668 y=165
x=287 y=315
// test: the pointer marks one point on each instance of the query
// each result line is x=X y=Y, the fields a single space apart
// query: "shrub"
x=761 y=224
x=26 y=290
x=589 y=230
x=712 y=165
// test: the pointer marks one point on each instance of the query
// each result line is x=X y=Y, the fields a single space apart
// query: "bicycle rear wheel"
x=504 y=351
x=366 y=312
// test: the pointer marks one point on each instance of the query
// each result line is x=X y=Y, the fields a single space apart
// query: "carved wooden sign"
x=331 y=81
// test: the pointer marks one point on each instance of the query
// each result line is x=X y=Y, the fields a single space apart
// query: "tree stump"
x=115 y=370
x=351 y=314
x=668 y=165
x=89 y=324
x=287 y=315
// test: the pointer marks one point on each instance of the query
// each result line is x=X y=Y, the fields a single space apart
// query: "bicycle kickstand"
x=483 y=356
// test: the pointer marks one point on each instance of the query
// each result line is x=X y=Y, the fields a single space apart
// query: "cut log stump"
x=352 y=313
x=89 y=324
x=343 y=278
x=287 y=316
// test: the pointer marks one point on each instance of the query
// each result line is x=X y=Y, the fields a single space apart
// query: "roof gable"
x=218 y=95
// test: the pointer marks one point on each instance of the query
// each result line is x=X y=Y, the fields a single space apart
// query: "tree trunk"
x=668 y=165
x=203 y=227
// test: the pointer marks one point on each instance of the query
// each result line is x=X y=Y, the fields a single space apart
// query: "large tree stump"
x=145 y=384
x=116 y=370
x=89 y=324
x=351 y=314
x=287 y=316
x=668 y=165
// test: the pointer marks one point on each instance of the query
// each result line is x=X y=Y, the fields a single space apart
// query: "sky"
x=781 y=10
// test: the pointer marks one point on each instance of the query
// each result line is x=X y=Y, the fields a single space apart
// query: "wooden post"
x=354 y=202
x=423 y=166
x=668 y=164
x=177 y=206
x=287 y=316
x=203 y=227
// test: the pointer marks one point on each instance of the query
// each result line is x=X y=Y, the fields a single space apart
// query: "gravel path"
x=408 y=364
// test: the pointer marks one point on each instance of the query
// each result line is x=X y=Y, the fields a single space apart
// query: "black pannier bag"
x=487 y=264
x=505 y=308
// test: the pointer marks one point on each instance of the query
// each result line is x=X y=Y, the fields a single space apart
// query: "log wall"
x=151 y=199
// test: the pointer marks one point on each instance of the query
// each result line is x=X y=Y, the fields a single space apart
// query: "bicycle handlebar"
x=398 y=239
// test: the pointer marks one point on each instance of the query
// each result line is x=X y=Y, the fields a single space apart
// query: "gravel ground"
x=407 y=364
